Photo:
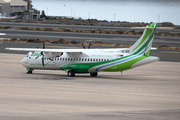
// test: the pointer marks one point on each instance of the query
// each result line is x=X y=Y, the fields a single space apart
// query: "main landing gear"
x=71 y=73
x=94 y=74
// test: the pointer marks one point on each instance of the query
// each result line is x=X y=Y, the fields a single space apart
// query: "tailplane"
x=143 y=45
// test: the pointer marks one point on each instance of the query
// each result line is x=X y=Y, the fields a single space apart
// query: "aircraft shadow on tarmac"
x=138 y=77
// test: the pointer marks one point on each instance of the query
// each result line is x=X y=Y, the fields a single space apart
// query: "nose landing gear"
x=29 y=71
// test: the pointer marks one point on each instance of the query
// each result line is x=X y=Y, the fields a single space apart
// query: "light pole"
x=89 y=15
x=114 y=16
x=71 y=13
x=47 y=11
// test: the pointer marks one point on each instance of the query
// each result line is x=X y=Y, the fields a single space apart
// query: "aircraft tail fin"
x=144 y=43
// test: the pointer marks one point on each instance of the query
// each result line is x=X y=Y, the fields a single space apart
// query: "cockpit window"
x=27 y=55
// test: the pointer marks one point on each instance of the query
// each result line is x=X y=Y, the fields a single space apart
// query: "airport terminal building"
x=9 y=6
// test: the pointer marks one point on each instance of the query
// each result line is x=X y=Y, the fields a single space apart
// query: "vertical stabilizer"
x=143 y=45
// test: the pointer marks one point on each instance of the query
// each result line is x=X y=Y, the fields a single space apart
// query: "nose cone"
x=158 y=58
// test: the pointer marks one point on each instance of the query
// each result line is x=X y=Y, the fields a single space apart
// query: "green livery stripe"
x=141 y=48
x=147 y=53
x=84 y=67
x=152 y=25
x=148 y=31
x=124 y=66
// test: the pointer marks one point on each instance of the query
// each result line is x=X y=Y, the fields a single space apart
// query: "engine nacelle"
x=52 y=54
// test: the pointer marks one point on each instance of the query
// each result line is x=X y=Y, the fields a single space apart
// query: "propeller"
x=41 y=52
x=83 y=46
x=42 y=55
x=88 y=46
x=43 y=61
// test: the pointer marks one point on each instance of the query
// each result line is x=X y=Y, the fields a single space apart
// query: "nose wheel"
x=29 y=72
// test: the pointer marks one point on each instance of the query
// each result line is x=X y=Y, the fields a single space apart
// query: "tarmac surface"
x=83 y=27
x=149 y=92
x=85 y=37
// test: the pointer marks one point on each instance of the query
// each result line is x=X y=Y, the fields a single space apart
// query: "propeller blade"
x=36 y=57
x=43 y=61
x=89 y=45
x=83 y=46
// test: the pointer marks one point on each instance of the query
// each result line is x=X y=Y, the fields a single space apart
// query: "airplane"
x=77 y=61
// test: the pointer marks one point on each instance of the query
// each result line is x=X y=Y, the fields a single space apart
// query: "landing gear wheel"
x=71 y=73
x=94 y=74
x=29 y=72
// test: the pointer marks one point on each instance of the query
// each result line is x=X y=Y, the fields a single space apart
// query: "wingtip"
x=6 y=48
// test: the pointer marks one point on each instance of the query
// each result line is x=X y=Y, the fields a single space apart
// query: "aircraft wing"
x=51 y=53
x=43 y=50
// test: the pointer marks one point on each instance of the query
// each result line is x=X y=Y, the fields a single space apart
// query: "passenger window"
x=79 y=59
x=93 y=59
x=65 y=59
x=88 y=60
x=102 y=60
x=85 y=59
x=82 y=59
x=96 y=59
x=68 y=59
x=107 y=60
x=74 y=59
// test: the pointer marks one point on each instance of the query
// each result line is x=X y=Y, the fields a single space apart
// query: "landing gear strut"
x=94 y=74
x=71 y=73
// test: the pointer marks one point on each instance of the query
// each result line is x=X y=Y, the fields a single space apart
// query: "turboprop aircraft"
x=92 y=60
